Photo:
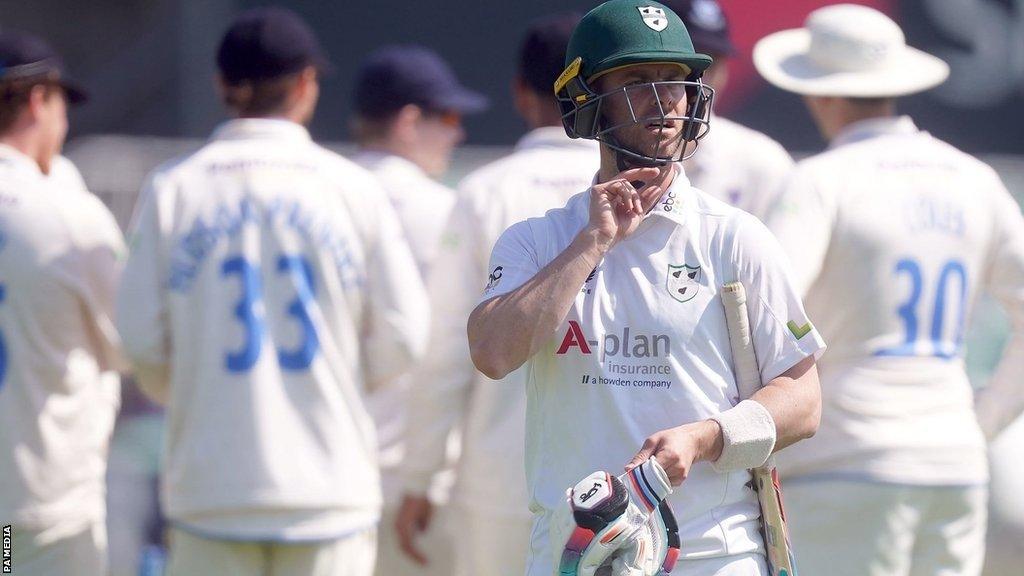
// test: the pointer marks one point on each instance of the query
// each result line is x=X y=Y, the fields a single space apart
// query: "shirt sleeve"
x=142 y=298
x=98 y=256
x=441 y=393
x=397 y=315
x=782 y=333
x=802 y=221
x=1000 y=403
x=514 y=260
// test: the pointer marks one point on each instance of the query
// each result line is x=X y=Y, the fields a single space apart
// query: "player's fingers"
x=644 y=454
x=644 y=175
x=423 y=520
x=626 y=195
x=407 y=542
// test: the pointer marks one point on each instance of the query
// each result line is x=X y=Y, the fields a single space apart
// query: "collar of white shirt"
x=20 y=162
x=552 y=137
x=380 y=162
x=255 y=128
x=874 y=127
x=672 y=203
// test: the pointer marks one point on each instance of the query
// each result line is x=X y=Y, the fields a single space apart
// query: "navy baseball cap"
x=707 y=24
x=395 y=76
x=24 y=56
x=265 y=43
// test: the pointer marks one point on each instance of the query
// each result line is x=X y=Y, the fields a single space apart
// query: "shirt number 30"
x=941 y=346
x=251 y=312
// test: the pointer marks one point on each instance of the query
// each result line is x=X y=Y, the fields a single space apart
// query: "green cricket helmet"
x=621 y=33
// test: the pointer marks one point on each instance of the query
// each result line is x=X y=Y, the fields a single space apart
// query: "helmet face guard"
x=585 y=115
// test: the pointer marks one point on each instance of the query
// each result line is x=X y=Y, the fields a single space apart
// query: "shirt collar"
x=19 y=161
x=254 y=128
x=672 y=202
x=374 y=160
x=675 y=199
x=552 y=137
x=872 y=128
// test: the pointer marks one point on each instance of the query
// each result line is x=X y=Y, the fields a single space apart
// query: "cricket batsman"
x=613 y=304
x=268 y=285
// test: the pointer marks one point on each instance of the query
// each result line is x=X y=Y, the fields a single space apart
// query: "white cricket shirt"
x=645 y=348
x=271 y=277
x=66 y=175
x=892 y=234
x=543 y=172
x=740 y=166
x=422 y=206
x=60 y=261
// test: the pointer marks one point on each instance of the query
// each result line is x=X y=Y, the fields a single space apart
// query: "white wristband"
x=748 y=435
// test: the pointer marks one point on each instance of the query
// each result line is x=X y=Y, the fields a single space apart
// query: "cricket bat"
x=766 y=478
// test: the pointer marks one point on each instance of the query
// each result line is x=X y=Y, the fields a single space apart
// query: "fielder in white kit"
x=408 y=121
x=892 y=235
x=613 y=304
x=269 y=283
x=545 y=169
x=61 y=256
x=736 y=164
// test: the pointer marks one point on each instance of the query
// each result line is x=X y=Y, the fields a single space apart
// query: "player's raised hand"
x=617 y=206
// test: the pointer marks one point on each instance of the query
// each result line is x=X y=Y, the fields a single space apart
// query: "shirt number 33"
x=251 y=312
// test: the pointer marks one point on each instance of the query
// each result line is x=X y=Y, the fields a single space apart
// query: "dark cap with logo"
x=396 y=76
x=265 y=43
x=708 y=26
x=27 y=57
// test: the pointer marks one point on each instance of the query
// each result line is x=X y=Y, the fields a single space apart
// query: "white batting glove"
x=616 y=526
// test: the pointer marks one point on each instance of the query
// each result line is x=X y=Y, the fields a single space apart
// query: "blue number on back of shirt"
x=250 y=311
x=302 y=276
x=908 y=310
x=3 y=345
x=949 y=348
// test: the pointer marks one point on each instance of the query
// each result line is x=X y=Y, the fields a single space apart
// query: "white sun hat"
x=847 y=50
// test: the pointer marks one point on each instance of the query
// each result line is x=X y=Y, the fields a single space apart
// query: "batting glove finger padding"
x=617 y=526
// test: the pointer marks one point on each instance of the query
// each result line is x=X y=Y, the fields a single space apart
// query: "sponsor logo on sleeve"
x=799 y=331
x=494 y=278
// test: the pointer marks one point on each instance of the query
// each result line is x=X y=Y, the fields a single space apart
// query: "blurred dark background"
x=149 y=63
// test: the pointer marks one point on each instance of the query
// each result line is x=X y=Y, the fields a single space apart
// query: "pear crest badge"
x=683 y=281
x=653 y=17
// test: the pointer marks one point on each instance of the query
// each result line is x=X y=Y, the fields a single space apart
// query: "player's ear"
x=405 y=123
x=521 y=96
x=38 y=97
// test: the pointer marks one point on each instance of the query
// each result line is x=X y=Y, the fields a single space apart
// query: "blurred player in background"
x=736 y=164
x=892 y=235
x=408 y=121
x=268 y=285
x=60 y=261
x=64 y=172
x=612 y=301
x=545 y=169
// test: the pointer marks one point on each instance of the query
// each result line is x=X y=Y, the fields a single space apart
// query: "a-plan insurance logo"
x=683 y=281
x=653 y=17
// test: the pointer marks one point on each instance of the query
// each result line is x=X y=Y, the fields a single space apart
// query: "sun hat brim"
x=783 y=59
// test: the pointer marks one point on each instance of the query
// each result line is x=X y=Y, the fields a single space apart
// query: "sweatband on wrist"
x=748 y=436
